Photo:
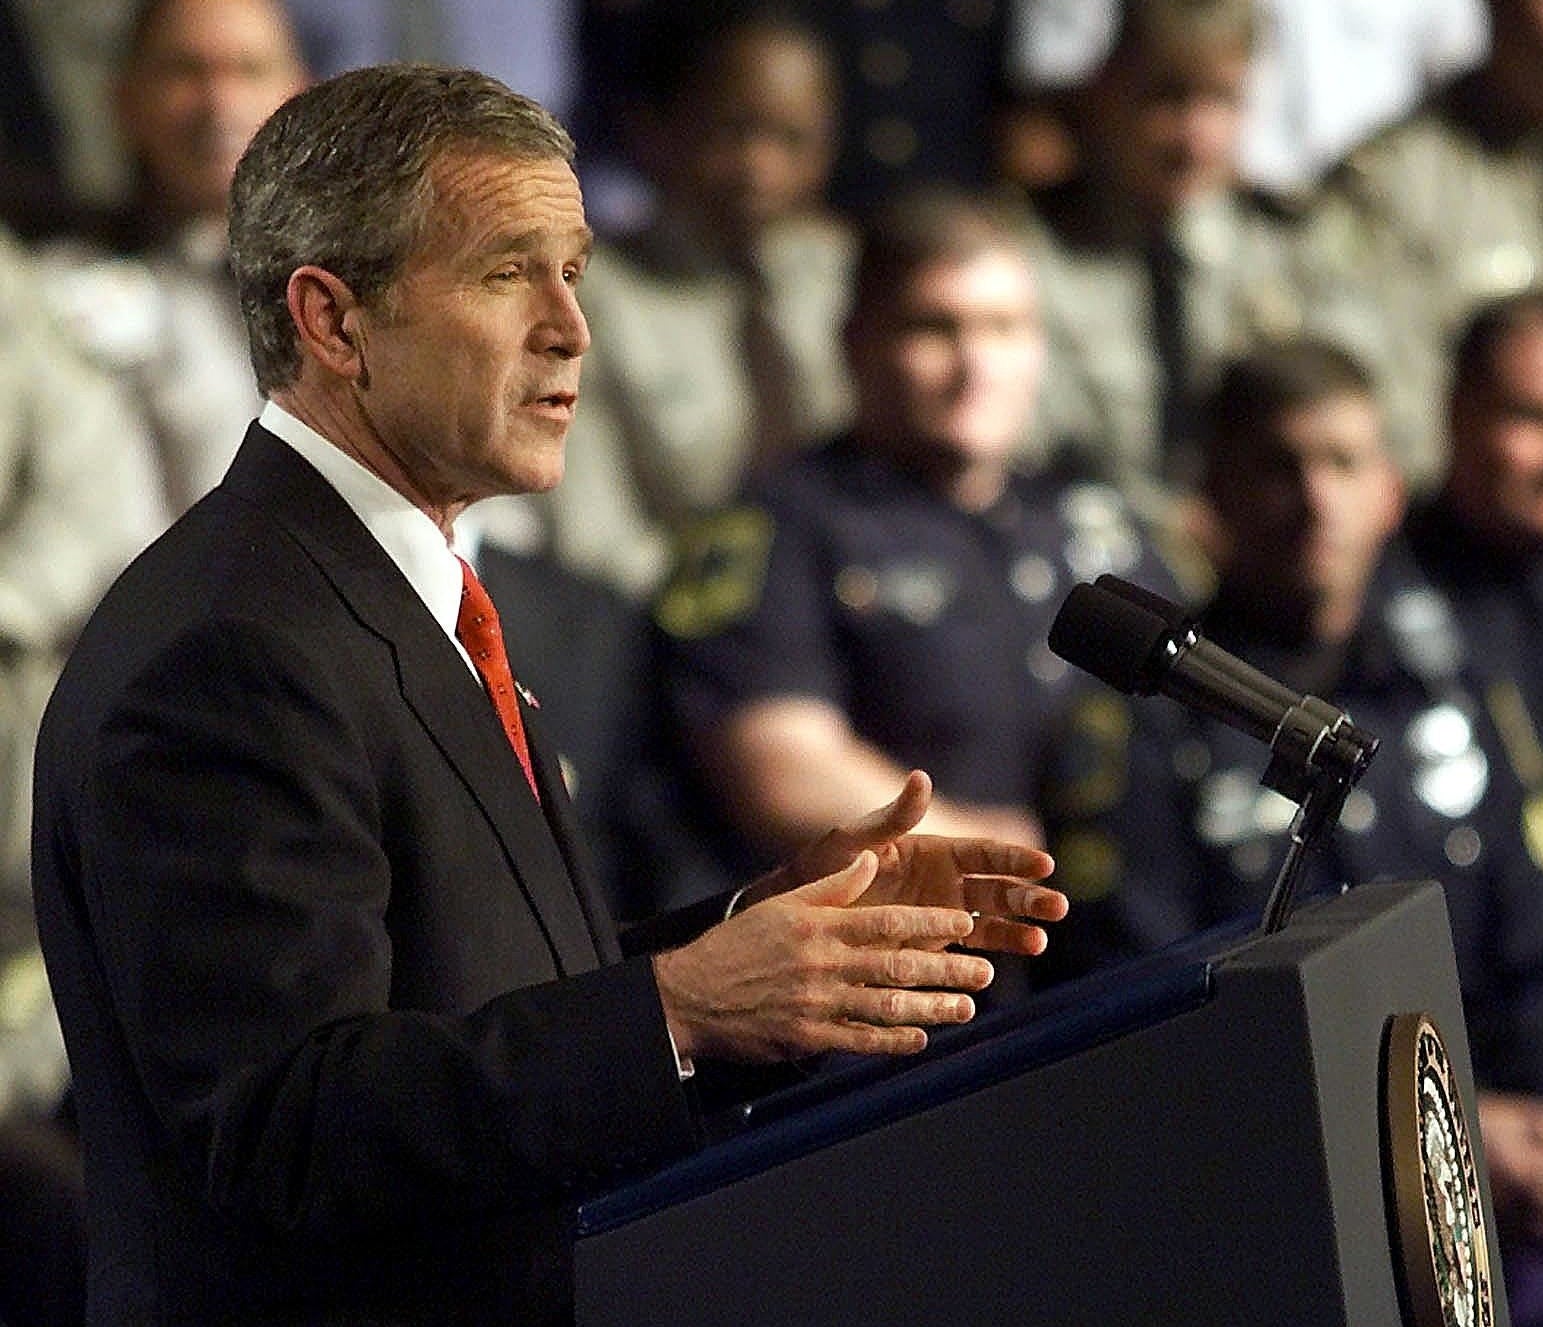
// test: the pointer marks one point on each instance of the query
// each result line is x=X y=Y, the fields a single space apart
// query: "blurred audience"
x=1324 y=74
x=72 y=49
x=716 y=327
x=1446 y=211
x=1155 y=814
x=1480 y=538
x=150 y=297
x=882 y=602
x=917 y=81
x=1156 y=264
x=920 y=82
x=79 y=496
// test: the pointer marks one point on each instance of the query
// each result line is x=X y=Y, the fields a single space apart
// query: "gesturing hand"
x=805 y=972
x=844 y=948
x=995 y=881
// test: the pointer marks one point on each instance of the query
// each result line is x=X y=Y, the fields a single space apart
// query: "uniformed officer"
x=1445 y=210
x=1156 y=265
x=718 y=326
x=884 y=601
x=1480 y=538
x=1156 y=817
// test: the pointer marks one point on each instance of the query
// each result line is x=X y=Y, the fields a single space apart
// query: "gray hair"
x=340 y=176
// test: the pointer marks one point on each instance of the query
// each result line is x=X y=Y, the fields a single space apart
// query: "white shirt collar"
x=407 y=533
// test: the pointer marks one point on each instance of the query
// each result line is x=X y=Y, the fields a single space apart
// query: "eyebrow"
x=528 y=241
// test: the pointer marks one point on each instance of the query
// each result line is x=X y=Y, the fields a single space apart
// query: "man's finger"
x=841 y=888
x=934 y=969
x=890 y=1006
x=1013 y=898
x=898 y=924
x=871 y=1039
x=1003 y=935
x=992 y=857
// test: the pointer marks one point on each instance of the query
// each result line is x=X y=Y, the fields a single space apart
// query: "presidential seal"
x=1435 y=1205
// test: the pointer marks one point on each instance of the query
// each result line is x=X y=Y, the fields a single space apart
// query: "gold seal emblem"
x=1436 y=1207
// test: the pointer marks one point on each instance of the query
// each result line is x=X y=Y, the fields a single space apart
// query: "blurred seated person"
x=1442 y=210
x=79 y=497
x=1155 y=263
x=885 y=598
x=716 y=346
x=1155 y=814
x=1480 y=537
x=1324 y=75
x=151 y=298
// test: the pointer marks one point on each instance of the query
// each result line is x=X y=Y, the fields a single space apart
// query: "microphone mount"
x=1141 y=643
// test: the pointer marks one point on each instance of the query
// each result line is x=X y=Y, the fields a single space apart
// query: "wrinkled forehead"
x=472 y=192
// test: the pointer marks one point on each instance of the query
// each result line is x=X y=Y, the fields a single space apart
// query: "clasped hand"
x=847 y=946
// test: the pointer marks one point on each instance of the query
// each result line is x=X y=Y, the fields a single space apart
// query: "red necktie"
x=476 y=627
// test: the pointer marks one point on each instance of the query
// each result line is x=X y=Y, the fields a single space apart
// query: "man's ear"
x=327 y=322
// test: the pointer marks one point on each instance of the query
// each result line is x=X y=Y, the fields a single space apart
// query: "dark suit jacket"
x=346 y=1020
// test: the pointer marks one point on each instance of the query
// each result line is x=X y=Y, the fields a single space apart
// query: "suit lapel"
x=437 y=687
x=568 y=838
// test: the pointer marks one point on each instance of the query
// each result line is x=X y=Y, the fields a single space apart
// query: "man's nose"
x=564 y=328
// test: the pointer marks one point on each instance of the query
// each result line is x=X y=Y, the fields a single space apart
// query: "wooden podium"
x=1226 y=1134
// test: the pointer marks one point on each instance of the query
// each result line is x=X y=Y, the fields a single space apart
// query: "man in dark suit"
x=349 y=1025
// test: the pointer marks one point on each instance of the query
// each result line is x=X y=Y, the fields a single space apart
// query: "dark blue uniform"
x=848 y=580
x=1160 y=827
x=1498 y=601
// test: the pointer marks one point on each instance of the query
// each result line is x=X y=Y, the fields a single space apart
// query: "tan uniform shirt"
x=167 y=325
x=1445 y=213
x=669 y=421
x=1247 y=271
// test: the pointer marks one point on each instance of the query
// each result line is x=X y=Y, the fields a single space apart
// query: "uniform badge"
x=1091 y=757
x=1448 y=769
x=720 y=574
x=1100 y=537
x=1532 y=827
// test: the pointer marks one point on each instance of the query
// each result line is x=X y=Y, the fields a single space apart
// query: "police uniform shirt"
x=1497 y=599
x=852 y=582
x=1160 y=827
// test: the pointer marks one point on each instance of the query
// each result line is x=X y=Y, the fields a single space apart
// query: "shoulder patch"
x=720 y=573
x=1091 y=763
x=1087 y=863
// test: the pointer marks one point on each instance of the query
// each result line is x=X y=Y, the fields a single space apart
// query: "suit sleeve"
x=232 y=840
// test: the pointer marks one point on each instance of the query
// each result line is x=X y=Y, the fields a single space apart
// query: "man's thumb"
x=843 y=887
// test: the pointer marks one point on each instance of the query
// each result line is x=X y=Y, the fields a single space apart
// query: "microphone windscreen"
x=1110 y=636
x=1177 y=618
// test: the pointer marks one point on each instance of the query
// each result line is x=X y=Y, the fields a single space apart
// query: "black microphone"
x=1141 y=644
